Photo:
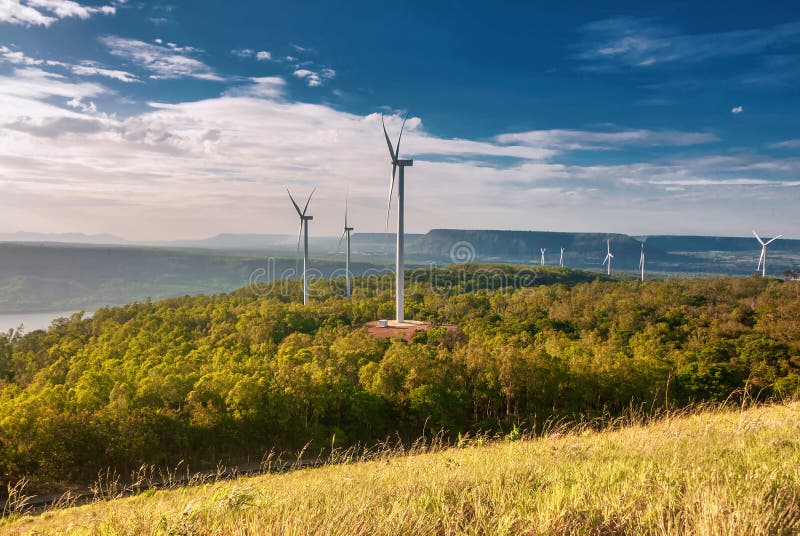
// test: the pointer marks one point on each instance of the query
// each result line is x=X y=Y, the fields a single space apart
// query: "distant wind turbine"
x=346 y=233
x=304 y=219
x=561 y=258
x=394 y=155
x=762 y=260
x=542 y=250
x=641 y=261
x=609 y=256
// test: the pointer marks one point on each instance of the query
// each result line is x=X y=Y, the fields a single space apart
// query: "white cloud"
x=84 y=107
x=221 y=165
x=737 y=110
x=85 y=68
x=261 y=55
x=645 y=42
x=594 y=140
x=92 y=69
x=36 y=84
x=271 y=87
x=46 y=12
x=787 y=144
x=164 y=62
x=315 y=78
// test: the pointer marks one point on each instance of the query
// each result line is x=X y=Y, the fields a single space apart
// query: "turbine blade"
x=346 y=202
x=758 y=237
x=391 y=191
x=308 y=201
x=400 y=137
x=300 y=234
x=773 y=240
x=293 y=202
x=392 y=153
x=339 y=247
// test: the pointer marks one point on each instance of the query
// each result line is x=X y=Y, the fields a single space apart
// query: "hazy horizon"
x=43 y=237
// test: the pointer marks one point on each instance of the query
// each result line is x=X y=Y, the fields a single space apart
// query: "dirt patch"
x=406 y=330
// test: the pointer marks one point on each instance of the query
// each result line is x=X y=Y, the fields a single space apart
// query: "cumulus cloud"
x=261 y=55
x=46 y=12
x=315 y=78
x=737 y=110
x=167 y=61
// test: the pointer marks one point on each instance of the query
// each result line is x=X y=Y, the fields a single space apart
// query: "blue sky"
x=186 y=119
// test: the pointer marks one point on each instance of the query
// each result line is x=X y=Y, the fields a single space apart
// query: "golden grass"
x=714 y=472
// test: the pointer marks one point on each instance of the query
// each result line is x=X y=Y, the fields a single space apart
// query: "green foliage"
x=227 y=377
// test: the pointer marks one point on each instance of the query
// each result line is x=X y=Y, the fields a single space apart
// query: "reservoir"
x=32 y=321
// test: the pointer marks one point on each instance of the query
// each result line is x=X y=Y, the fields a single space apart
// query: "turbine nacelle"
x=762 y=259
x=394 y=158
x=304 y=219
x=302 y=213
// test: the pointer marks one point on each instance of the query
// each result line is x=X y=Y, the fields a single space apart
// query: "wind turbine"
x=609 y=256
x=561 y=258
x=346 y=233
x=641 y=262
x=303 y=235
x=394 y=155
x=762 y=260
x=542 y=250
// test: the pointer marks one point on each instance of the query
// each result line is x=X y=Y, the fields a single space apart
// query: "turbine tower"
x=394 y=156
x=304 y=219
x=346 y=233
x=609 y=256
x=762 y=260
x=561 y=258
x=641 y=262
x=542 y=250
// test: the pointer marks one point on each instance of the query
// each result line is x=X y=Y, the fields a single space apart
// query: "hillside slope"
x=715 y=472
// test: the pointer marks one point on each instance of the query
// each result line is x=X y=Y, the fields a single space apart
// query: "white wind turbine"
x=346 y=233
x=641 y=261
x=304 y=219
x=561 y=258
x=542 y=250
x=762 y=260
x=609 y=256
x=394 y=155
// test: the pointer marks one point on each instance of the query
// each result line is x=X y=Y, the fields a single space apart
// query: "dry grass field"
x=715 y=471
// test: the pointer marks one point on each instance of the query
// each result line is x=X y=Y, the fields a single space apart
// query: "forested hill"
x=227 y=378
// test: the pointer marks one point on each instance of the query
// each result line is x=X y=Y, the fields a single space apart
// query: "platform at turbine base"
x=408 y=324
x=404 y=329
